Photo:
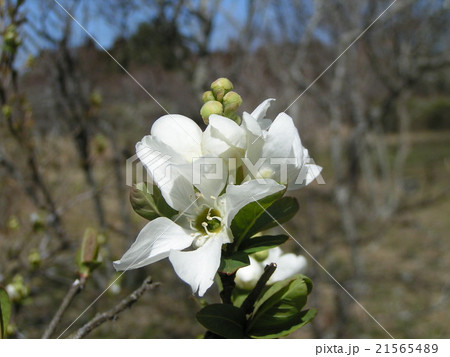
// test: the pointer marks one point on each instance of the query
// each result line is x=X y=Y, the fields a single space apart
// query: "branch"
x=249 y=302
x=228 y=285
x=76 y=287
x=111 y=314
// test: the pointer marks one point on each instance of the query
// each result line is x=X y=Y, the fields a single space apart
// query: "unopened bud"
x=209 y=108
x=88 y=255
x=220 y=87
x=260 y=256
x=208 y=96
x=89 y=247
x=34 y=258
x=95 y=99
x=231 y=102
x=6 y=111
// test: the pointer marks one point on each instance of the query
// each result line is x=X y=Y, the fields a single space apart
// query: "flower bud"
x=89 y=247
x=261 y=255
x=37 y=221
x=231 y=101
x=88 y=259
x=208 y=96
x=6 y=111
x=236 y=118
x=17 y=289
x=209 y=108
x=95 y=99
x=34 y=258
x=220 y=87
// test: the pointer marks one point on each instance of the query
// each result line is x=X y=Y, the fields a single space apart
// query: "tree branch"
x=111 y=314
x=76 y=287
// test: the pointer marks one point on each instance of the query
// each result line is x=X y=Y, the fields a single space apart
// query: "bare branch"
x=76 y=287
x=111 y=314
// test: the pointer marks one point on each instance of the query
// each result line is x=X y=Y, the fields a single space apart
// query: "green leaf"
x=223 y=319
x=280 y=211
x=278 y=327
x=278 y=311
x=256 y=244
x=229 y=264
x=149 y=205
x=243 y=222
x=5 y=311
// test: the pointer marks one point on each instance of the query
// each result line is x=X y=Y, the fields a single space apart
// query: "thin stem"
x=76 y=287
x=228 y=286
x=111 y=314
x=249 y=302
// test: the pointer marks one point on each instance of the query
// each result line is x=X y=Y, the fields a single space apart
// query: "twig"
x=228 y=285
x=248 y=303
x=111 y=314
x=76 y=287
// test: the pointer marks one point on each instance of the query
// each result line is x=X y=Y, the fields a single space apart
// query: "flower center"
x=208 y=221
x=266 y=173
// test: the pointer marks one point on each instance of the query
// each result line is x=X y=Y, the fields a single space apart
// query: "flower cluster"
x=206 y=178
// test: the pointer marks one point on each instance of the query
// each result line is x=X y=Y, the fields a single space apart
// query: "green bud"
x=231 y=102
x=220 y=87
x=261 y=255
x=95 y=99
x=209 y=108
x=236 y=118
x=11 y=39
x=37 y=221
x=6 y=111
x=88 y=256
x=34 y=258
x=11 y=330
x=17 y=289
x=13 y=223
x=100 y=143
x=208 y=96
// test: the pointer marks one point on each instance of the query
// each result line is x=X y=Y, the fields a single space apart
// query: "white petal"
x=274 y=255
x=247 y=277
x=251 y=125
x=280 y=138
x=158 y=159
x=180 y=133
x=261 y=110
x=303 y=176
x=237 y=196
x=198 y=267
x=154 y=243
x=224 y=138
x=210 y=176
x=179 y=193
x=288 y=265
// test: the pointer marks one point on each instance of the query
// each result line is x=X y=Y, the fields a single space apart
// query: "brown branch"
x=76 y=287
x=111 y=314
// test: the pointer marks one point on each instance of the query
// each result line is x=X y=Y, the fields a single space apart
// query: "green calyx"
x=208 y=221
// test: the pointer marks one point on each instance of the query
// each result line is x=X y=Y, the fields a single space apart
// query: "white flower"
x=288 y=264
x=176 y=141
x=274 y=149
x=202 y=227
